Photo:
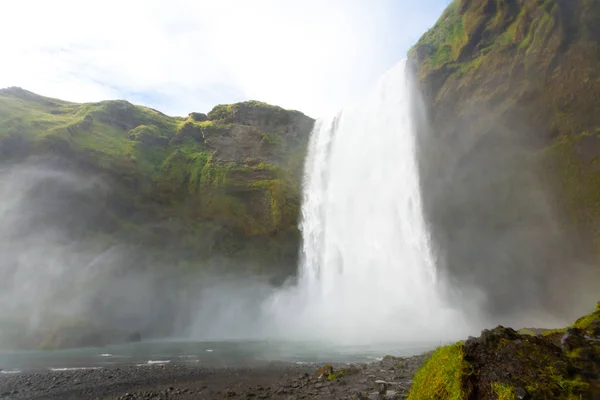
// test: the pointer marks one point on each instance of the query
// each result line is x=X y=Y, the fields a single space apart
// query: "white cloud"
x=185 y=55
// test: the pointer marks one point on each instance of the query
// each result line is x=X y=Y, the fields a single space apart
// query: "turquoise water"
x=209 y=353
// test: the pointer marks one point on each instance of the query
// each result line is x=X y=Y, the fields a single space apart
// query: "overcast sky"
x=189 y=55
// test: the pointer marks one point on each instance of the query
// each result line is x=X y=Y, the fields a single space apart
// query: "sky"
x=180 y=56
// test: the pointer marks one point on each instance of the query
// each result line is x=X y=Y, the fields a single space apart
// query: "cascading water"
x=367 y=273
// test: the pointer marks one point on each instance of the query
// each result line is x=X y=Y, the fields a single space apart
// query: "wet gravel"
x=271 y=381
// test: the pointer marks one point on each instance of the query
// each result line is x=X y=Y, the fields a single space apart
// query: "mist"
x=62 y=283
x=469 y=236
x=495 y=221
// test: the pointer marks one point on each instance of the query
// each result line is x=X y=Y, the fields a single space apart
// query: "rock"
x=393 y=395
x=324 y=371
x=198 y=117
x=87 y=122
x=571 y=339
x=383 y=386
x=521 y=394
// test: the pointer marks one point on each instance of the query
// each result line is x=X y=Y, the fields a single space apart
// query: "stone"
x=198 y=117
x=383 y=386
x=521 y=394
x=87 y=122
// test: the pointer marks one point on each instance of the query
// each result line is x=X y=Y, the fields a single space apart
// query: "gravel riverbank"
x=271 y=381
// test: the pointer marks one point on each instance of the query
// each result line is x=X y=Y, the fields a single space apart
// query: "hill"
x=226 y=183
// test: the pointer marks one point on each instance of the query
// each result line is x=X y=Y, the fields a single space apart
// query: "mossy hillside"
x=503 y=82
x=253 y=113
x=469 y=34
x=502 y=364
x=537 y=59
x=227 y=176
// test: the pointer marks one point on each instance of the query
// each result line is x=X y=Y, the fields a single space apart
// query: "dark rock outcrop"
x=502 y=364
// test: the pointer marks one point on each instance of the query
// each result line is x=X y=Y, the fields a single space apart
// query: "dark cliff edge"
x=509 y=159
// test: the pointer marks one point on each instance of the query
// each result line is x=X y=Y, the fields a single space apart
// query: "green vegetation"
x=544 y=373
x=442 y=376
x=493 y=29
x=531 y=68
x=504 y=391
x=442 y=44
x=589 y=323
x=502 y=363
x=212 y=171
x=526 y=332
x=248 y=111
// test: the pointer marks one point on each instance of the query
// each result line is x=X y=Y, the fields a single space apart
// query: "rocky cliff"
x=226 y=183
x=509 y=159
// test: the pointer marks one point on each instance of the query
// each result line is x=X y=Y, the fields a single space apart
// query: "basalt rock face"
x=508 y=159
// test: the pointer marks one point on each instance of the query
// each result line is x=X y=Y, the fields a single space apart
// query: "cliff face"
x=509 y=159
x=226 y=183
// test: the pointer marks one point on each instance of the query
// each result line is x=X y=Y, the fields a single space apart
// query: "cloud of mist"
x=56 y=275
x=495 y=220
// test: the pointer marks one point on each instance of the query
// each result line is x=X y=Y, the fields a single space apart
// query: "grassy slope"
x=175 y=167
x=441 y=376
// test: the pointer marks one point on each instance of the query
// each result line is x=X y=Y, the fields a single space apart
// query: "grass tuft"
x=442 y=376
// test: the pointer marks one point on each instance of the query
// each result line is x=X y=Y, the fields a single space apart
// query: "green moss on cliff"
x=504 y=391
x=252 y=112
x=214 y=170
x=468 y=32
x=443 y=43
x=442 y=376
x=527 y=78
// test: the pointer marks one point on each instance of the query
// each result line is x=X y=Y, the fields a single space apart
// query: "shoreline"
x=277 y=380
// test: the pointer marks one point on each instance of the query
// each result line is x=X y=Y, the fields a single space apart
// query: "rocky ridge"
x=226 y=183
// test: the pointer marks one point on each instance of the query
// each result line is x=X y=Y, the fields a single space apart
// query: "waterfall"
x=367 y=272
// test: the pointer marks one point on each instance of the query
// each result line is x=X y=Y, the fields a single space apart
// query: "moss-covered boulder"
x=502 y=364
